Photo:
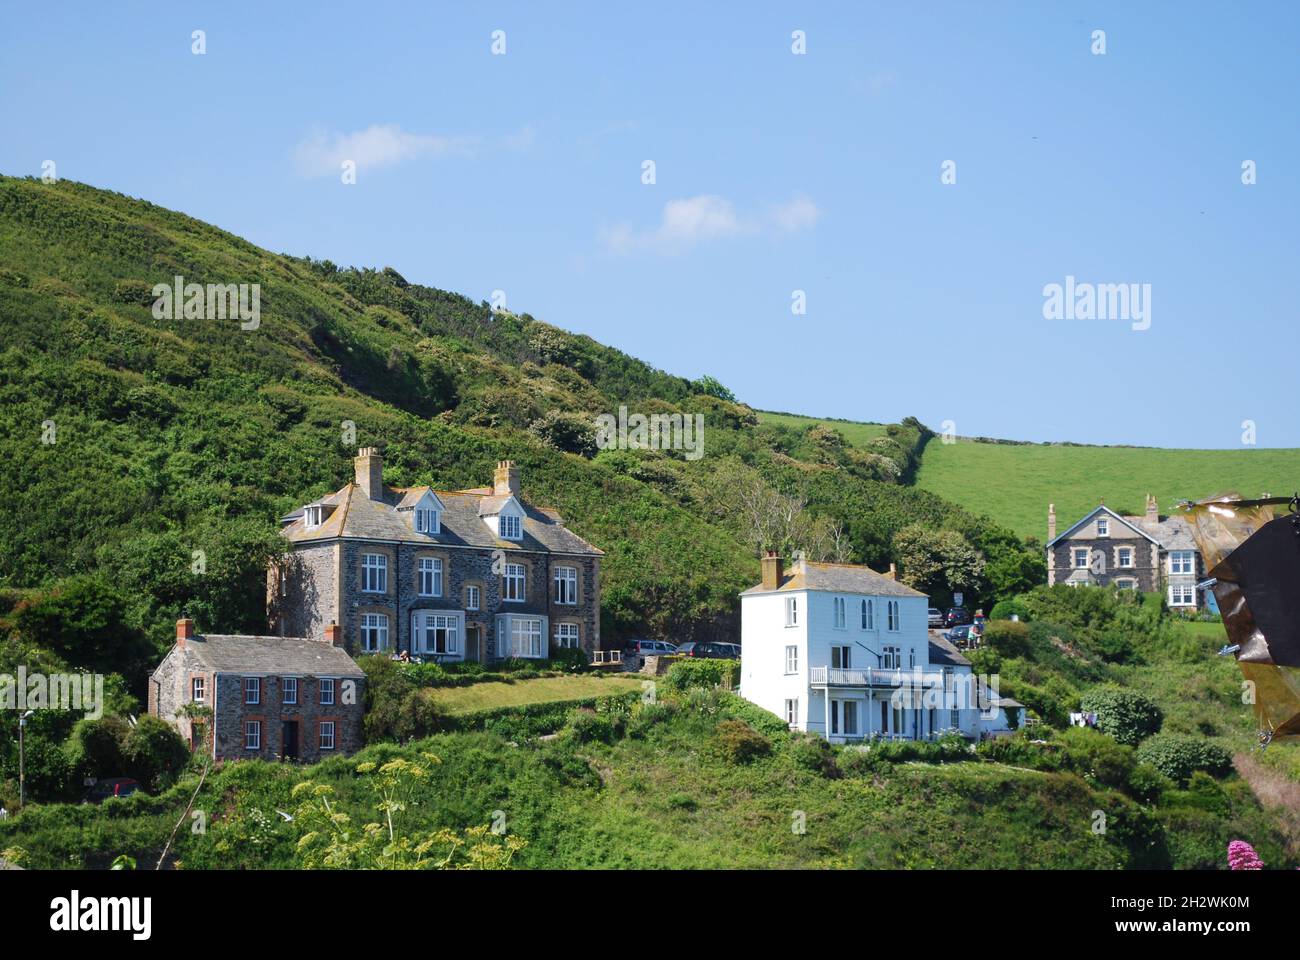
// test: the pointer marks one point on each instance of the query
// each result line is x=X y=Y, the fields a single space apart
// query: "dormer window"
x=511 y=528
x=314 y=515
x=427 y=520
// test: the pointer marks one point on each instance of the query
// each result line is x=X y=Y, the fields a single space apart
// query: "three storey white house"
x=845 y=652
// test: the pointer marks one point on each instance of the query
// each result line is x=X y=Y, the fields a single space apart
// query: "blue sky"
x=775 y=172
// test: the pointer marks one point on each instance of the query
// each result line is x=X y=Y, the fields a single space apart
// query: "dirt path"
x=1276 y=792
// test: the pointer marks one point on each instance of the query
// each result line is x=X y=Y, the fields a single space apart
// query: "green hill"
x=1014 y=483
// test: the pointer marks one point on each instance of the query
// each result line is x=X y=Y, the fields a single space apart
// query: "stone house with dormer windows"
x=1151 y=553
x=476 y=574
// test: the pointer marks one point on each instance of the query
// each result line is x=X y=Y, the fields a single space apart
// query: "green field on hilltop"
x=855 y=433
x=1014 y=483
x=455 y=701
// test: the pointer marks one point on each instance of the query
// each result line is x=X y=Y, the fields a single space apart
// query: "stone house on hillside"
x=1148 y=553
x=476 y=574
x=277 y=698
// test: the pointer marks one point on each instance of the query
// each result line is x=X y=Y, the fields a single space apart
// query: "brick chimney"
x=505 y=482
x=370 y=472
x=1051 y=522
x=893 y=571
x=334 y=635
x=184 y=631
x=772 y=570
x=1153 y=510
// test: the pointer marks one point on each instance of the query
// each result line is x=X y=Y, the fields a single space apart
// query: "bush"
x=1004 y=609
x=690 y=672
x=1096 y=757
x=1128 y=716
x=814 y=754
x=569 y=660
x=1148 y=784
x=95 y=747
x=154 y=752
x=1007 y=637
x=739 y=742
x=646 y=716
x=586 y=727
x=1178 y=756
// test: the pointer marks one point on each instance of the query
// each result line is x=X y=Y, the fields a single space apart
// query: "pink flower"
x=1242 y=856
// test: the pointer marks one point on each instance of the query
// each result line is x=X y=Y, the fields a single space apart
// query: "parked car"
x=959 y=635
x=956 y=616
x=710 y=650
x=936 y=617
x=112 y=787
x=651 y=648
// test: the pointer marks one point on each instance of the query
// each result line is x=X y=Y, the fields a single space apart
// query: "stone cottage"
x=447 y=575
x=277 y=698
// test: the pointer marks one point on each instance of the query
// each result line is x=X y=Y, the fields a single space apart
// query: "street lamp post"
x=22 y=765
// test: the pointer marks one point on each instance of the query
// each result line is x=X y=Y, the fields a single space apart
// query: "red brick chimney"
x=184 y=631
x=772 y=570
x=334 y=635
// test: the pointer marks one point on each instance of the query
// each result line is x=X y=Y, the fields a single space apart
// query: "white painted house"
x=846 y=652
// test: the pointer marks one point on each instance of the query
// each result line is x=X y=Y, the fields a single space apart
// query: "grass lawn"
x=1013 y=484
x=490 y=696
x=855 y=433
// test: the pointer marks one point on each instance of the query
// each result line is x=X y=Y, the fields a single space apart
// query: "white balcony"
x=870 y=677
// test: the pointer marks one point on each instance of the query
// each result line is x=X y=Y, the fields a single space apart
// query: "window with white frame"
x=512 y=583
x=374 y=573
x=1126 y=557
x=427 y=520
x=437 y=633
x=525 y=637
x=841 y=657
x=566 y=585
x=792 y=611
x=374 y=632
x=314 y=516
x=471 y=598
x=289 y=690
x=510 y=527
x=252 y=734
x=252 y=690
x=838 y=605
x=891 y=658
x=327 y=734
x=792 y=712
x=892 y=609
x=868 y=615
x=1103 y=527
x=1182 y=595
x=1126 y=583
x=566 y=635
x=1080 y=557
x=1182 y=561
x=197 y=690
x=429 y=576
x=326 y=691
x=791 y=659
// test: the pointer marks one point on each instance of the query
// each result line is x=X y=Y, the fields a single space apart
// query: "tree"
x=938 y=562
x=154 y=752
x=1128 y=716
x=710 y=387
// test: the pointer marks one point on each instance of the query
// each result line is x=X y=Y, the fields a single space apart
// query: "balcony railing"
x=871 y=677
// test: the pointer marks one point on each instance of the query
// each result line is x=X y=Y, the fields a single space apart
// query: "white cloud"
x=380 y=145
x=700 y=219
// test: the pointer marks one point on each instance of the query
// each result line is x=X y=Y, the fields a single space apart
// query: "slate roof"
x=292 y=656
x=1174 y=533
x=837 y=578
x=356 y=516
x=944 y=654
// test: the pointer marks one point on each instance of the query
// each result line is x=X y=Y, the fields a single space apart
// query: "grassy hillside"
x=1014 y=483
x=859 y=434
